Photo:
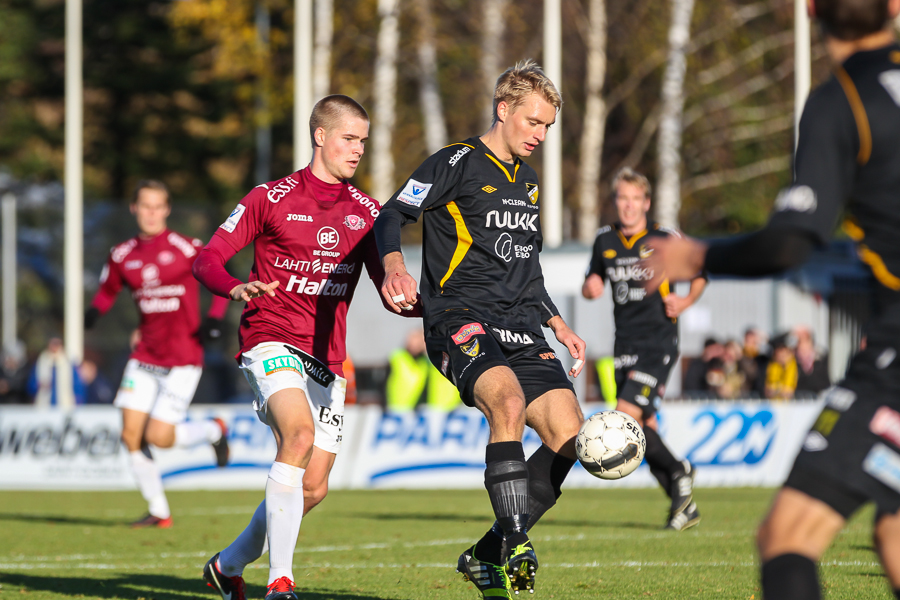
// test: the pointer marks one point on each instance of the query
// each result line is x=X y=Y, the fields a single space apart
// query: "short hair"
x=331 y=109
x=520 y=81
x=149 y=184
x=629 y=175
x=851 y=20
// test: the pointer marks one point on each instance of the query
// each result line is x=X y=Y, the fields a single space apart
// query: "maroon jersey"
x=158 y=272
x=314 y=238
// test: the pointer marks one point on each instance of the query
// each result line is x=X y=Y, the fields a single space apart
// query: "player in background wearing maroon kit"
x=163 y=371
x=311 y=236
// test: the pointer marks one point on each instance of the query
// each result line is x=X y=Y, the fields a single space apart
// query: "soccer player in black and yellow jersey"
x=646 y=331
x=847 y=159
x=484 y=303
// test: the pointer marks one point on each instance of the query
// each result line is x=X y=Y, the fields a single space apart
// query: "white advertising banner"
x=731 y=443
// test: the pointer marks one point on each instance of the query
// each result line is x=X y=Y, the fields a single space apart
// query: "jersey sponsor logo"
x=354 y=222
x=302 y=218
x=281 y=189
x=891 y=82
x=467 y=331
x=186 y=247
x=325 y=287
x=459 y=154
x=511 y=220
x=234 y=218
x=883 y=464
x=312 y=367
x=328 y=238
x=329 y=417
x=840 y=398
x=163 y=291
x=547 y=356
x=165 y=258
x=629 y=273
x=131 y=265
x=471 y=348
x=622 y=293
x=627 y=260
x=150 y=274
x=532 y=189
x=800 y=198
x=150 y=306
x=814 y=442
x=886 y=424
x=625 y=361
x=414 y=193
x=316 y=266
x=609 y=254
x=489 y=189
x=517 y=202
x=641 y=377
x=122 y=250
x=513 y=337
x=885 y=359
x=365 y=201
x=282 y=363
x=503 y=246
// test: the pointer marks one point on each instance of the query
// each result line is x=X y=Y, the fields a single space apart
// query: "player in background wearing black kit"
x=646 y=332
x=484 y=303
x=848 y=157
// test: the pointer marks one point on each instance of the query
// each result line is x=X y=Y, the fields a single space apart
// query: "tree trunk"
x=668 y=184
x=594 y=124
x=491 y=53
x=385 y=92
x=324 y=16
x=263 y=169
x=429 y=91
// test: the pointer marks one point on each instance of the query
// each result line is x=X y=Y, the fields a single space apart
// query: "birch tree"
x=491 y=53
x=668 y=184
x=429 y=91
x=385 y=99
x=324 y=16
x=594 y=123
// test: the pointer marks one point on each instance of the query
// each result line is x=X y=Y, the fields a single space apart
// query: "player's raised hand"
x=254 y=289
x=399 y=287
x=570 y=340
x=673 y=258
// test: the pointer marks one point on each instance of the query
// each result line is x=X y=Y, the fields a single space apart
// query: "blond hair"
x=330 y=110
x=520 y=81
x=629 y=175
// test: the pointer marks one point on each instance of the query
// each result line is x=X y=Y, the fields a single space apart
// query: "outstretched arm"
x=209 y=269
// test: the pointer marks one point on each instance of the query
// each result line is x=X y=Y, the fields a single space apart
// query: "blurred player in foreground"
x=311 y=236
x=848 y=157
x=484 y=304
x=165 y=366
x=646 y=332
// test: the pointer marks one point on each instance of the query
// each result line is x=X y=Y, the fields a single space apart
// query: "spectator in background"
x=781 y=374
x=13 y=375
x=413 y=380
x=96 y=386
x=54 y=379
x=733 y=378
x=812 y=364
x=695 y=379
x=753 y=363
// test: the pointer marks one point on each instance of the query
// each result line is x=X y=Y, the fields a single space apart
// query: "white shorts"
x=162 y=392
x=272 y=366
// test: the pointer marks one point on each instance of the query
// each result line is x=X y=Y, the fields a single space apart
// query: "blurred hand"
x=675 y=305
x=675 y=259
x=593 y=286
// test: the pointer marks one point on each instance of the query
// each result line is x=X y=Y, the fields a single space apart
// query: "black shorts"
x=641 y=374
x=463 y=349
x=852 y=453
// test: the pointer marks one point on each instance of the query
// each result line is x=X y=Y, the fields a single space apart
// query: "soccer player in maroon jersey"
x=311 y=236
x=165 y=366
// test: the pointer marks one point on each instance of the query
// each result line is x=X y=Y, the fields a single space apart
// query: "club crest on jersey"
x=644 y=251
x=354 y=222
x=471 y=348
x=532 y=189
x=467 y=331
x=609 y=254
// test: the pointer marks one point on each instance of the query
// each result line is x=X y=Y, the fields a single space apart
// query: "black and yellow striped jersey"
x=848 y=158
x=482 y=236
x=640 y=316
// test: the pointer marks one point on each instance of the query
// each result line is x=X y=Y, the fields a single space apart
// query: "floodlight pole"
x=802 y=63
x=73 y=245
x=551 y=187
x=303 y=51
x=8 y=221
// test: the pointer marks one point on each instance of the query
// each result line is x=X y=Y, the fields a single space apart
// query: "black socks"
x=790 y=577
x=506 y=481
x=660 y=459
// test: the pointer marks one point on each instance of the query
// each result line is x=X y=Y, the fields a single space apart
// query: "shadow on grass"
x=62 y=520
x=549 y=522
x=421 y=517
x=158 y=587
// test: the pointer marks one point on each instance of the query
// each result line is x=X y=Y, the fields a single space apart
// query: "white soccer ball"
x=610 y=445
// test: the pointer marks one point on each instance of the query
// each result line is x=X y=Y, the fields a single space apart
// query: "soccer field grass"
x=404 y=544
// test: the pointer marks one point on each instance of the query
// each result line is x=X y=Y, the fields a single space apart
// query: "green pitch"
x=404 y=545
